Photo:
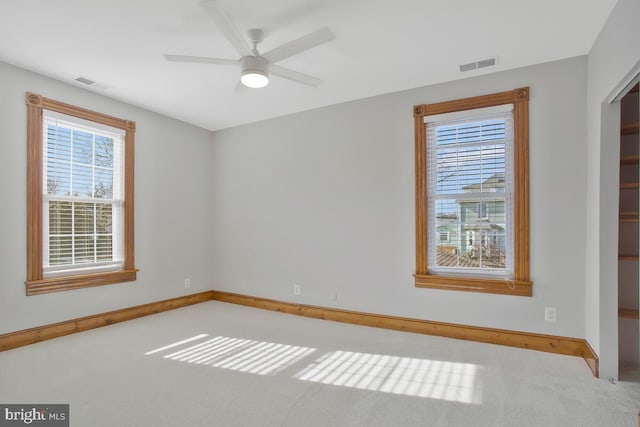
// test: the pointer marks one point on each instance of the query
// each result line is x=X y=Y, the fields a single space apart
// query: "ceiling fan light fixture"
x=254 y=79
x=255 y=67
x=255 y=72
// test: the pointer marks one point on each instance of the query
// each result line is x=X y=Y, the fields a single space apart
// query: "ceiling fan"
x=256 y=67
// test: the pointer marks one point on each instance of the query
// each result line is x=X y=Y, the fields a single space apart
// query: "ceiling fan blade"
x=296 y=46
x=228 y=28
x=286 y=73
x=200 y=59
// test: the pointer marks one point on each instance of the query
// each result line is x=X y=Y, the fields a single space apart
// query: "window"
x=472 y=183
x=468 y=186
x=80 y=197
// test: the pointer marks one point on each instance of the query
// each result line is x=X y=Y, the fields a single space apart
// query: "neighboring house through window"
x=472 y=186
x=80 y=197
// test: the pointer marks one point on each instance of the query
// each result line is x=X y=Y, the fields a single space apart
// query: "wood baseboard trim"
x=592 y=359
x=547 y=343
x=55 y=330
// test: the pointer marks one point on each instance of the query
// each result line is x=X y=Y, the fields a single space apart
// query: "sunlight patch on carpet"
x=237 y=354
x=434 y=379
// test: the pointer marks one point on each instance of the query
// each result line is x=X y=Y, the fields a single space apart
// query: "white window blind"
x=469 y=190
x=83 y=196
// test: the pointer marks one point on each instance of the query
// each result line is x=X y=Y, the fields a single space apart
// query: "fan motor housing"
x=255 y=64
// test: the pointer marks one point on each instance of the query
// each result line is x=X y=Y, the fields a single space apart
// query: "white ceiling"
x=381 y=46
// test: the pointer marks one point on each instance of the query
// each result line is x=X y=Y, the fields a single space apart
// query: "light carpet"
x=217 y=364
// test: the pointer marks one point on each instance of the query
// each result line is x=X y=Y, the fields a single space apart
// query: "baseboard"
x=592 y=360
x=547 y=343
x=54 y=330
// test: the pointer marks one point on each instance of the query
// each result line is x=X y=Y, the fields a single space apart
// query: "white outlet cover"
x=550 y=314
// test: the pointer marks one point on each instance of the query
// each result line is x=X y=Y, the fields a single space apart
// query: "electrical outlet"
x=187 y=283
x=550 y=314
x=296 y=289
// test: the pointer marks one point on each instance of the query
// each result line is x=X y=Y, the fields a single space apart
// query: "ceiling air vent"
x=94 y=85
x=85 y=81
x=468 y=67
x=489 y=62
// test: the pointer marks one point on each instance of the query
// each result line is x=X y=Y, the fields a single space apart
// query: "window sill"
x=471 y=284
x=65 y=283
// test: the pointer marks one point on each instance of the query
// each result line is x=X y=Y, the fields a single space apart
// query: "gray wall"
x=325 y=199
x=614 y=54
x=173 y=208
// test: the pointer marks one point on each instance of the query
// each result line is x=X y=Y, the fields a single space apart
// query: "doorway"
x=628 y=239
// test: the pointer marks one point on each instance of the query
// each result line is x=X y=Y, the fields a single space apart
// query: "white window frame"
x=116 y=202
x=432 y=123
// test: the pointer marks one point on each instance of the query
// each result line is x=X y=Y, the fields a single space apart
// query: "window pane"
x=483 y=232
x=60 y=250
x=103 y=183
x=468 y=161
x=83 y=249
x=80 y=233
x=58 y=143
x=487 y=130
x=82 y=147
x=104 y=218
x=447 y=175
x=464 y=170
x=60 y=218
x=83 y=218
x=58 y=178
x=103 y=151
x=104 y=248
x=469 y=164
x=82 y=181
x=79 y=163
x=475 y=233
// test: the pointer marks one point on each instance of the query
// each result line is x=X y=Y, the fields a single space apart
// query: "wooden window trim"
x=521 y=284
x=36 y=283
